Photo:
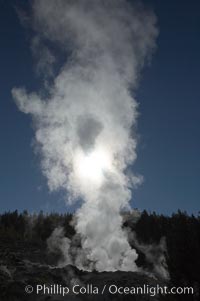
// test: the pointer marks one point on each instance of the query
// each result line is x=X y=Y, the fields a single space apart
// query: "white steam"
x=85 y=121
x=57 y=242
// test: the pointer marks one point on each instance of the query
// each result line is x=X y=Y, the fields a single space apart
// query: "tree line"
x=181 y=232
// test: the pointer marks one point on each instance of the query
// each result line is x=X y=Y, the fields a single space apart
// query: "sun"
x=91 y=167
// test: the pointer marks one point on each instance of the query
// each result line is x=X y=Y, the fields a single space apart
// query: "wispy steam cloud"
x=85 y=121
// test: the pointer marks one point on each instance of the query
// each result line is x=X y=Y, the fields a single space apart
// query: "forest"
x=180 y=230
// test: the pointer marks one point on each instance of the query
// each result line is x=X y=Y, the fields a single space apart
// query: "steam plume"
x=85 y=121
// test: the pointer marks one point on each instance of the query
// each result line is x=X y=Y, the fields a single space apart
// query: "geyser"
x=85 y=116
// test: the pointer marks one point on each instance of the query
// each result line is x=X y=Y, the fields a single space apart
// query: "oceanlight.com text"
x=112 y=289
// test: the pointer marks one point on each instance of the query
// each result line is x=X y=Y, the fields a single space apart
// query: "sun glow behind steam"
x=91 y=167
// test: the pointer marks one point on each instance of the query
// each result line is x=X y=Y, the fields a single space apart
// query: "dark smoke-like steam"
x=84 y=128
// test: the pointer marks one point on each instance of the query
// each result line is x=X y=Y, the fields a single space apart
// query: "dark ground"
x=25 y=260
x=20 y=267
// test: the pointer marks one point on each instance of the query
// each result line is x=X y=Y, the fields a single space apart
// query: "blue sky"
x=168 y=125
